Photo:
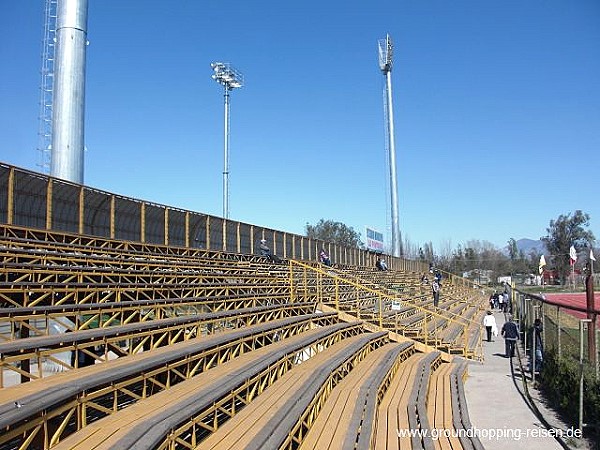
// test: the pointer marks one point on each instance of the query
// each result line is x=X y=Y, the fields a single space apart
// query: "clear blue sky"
x=496 y=104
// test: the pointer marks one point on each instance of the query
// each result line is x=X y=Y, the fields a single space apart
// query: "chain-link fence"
x=562 y=342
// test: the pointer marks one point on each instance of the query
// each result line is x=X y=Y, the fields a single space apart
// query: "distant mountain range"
x=529 y=245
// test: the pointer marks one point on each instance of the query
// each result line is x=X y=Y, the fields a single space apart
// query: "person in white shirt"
x=489 y=322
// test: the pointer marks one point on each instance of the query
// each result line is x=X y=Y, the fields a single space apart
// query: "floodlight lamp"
x=227 y=76
x=385 y=54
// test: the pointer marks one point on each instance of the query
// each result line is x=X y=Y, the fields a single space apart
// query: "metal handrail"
x=337 y=279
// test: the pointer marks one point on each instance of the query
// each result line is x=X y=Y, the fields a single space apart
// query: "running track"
x=574 y=300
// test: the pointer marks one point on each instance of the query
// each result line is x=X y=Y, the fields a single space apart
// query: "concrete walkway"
x=498 y=410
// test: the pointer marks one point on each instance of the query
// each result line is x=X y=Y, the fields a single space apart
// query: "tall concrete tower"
x=69 y=91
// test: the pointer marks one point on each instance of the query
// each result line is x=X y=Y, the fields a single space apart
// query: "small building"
x=505 y=279
x=480 y=276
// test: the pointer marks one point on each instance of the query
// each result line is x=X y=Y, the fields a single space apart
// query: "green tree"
x=471 y=259
x=563 y=232
x=426 y=252
x=513 y=250
x=518 y=263
x=532 y=262
x=458 y=260
x=334 y=232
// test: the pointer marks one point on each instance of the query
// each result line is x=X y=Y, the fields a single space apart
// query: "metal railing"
x=376 y=305
x=564 y=329
x=571 y=334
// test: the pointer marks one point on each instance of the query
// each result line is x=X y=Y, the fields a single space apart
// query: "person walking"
x=489 y=322
x=510 y=332
x=435 y=289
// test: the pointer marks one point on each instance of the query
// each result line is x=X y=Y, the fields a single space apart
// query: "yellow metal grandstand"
x=116 y=343
x=92 y=333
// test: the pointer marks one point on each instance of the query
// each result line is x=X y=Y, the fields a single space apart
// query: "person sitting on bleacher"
x=324 y=257
x=380 y=264
x=266 y=251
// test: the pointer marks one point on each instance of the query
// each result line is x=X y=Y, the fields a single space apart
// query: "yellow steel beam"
x=91 y=403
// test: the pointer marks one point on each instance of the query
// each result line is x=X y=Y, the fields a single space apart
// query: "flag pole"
x=572 y=261
x=591 y=315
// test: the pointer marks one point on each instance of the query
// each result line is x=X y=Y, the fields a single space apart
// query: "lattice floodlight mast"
x=47 y=85
x=385 y=64
x=230 y=78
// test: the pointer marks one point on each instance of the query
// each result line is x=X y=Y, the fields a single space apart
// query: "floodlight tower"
x=229 y=78
x=47 y=85
x=385 y=64
x=69 y=91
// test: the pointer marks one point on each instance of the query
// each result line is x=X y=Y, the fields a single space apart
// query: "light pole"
x=385 y=64
x=68 y=91
x=229 y=78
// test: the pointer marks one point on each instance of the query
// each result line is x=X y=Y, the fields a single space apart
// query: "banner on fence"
x=374 y=240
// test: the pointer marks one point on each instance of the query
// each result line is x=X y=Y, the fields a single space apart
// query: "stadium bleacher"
x=106 y=343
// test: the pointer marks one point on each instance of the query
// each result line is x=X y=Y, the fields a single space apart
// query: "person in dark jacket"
x=435 y=289
x=380 y=264
x=324 y=257
x=539 y=344
x=510 y=332
x=266 y=251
